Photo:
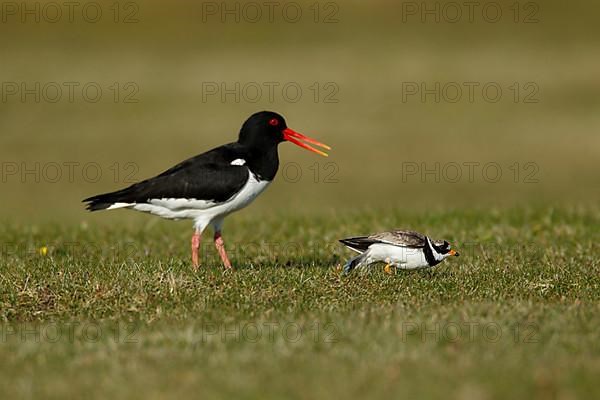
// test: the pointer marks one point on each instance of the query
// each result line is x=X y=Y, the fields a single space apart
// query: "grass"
x=119 y=311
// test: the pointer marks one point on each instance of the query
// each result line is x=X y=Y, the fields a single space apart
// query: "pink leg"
x=220 y=245
x=196 y=238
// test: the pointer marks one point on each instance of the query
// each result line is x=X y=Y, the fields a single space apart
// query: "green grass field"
x=121 y=312
x=107 y=304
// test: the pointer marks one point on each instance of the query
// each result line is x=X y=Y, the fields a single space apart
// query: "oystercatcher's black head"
x=266 y=129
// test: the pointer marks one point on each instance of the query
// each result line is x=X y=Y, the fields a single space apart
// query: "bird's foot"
x=228 y=270
x=388 y=269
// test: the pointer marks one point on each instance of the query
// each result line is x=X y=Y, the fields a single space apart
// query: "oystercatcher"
x=398 y=248
x=212 y=185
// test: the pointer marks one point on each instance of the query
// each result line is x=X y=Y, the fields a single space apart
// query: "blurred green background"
x=361 y=55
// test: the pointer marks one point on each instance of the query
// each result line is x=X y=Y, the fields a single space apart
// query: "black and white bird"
x=400 y=249
x=208 y=187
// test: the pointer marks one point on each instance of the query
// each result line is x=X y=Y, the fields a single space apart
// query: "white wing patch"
x=120 y=205
x=238 y=161
x=175 y=204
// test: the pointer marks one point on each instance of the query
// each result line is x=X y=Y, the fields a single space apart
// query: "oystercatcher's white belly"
x=203 y=212
x=400 y=257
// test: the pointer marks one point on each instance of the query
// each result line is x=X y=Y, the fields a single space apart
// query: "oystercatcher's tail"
x=112 y=200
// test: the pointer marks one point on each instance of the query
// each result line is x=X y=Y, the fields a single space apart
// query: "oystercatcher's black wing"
x=208 y=176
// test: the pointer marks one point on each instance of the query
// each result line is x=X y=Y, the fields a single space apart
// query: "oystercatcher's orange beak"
x=295 y=137
x=454 y=253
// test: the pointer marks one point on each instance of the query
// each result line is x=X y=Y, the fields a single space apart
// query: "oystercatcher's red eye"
x=274 y=122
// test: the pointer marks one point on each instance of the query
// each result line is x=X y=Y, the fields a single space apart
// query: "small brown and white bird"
x=399 y=248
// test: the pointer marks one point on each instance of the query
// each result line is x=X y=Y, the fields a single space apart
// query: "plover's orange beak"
x=295 y=137
x=454 y=253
